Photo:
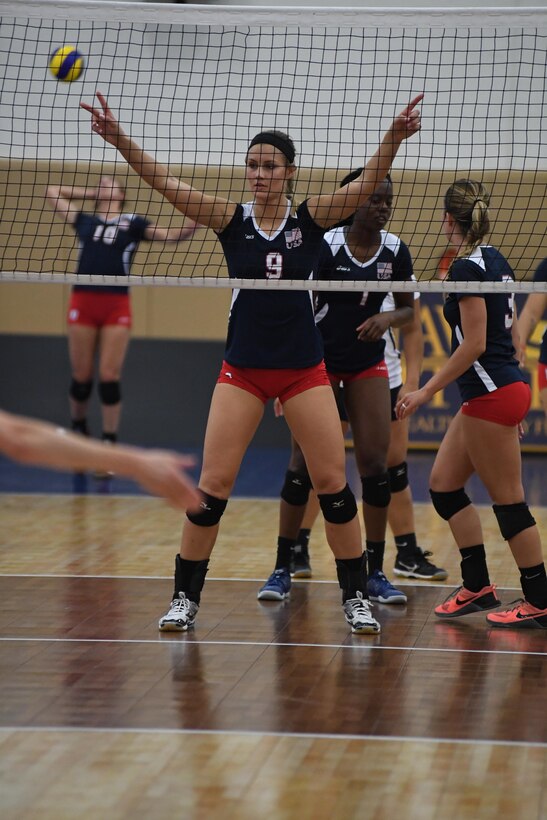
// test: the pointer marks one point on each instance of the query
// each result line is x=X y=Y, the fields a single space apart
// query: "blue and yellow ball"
x=66 y=64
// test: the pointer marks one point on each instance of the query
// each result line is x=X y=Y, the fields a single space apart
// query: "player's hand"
x=409 y=121
x=373 y=328
x=162 y=473
x=103 y=121
x=407 y=405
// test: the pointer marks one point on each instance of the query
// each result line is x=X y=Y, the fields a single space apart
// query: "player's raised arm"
x=210 y=211
x=328 y=209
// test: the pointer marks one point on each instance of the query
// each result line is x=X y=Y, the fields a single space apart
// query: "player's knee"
x=340 y=507
x=398 y=477
x=449 y=503
x=80 y=391
x=110 y=392
x=376 y=490
x=296 y=488
x=513 y=518
x=210 y=511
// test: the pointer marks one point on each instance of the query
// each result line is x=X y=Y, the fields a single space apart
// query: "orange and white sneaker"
x=520 y=615
x=464 y=602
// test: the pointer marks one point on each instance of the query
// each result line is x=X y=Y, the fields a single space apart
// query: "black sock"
x=112 y=437
x=473 y=566
x=304 y=540
x=80 y=426
x=284 y=547
x=375 y=555
x=352 y=576
x=533 y=581
x=406 y=544
x=190 y=577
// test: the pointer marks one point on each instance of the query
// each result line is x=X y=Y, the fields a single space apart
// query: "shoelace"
x=359 y=606
x=180 y=605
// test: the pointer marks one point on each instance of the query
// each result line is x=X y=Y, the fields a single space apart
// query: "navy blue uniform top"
x=339 y=313
x=497 y=366
x=266 y=328
x=541 y=276
x=107 y=247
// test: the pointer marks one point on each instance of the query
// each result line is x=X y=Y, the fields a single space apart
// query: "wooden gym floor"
x=264 y=709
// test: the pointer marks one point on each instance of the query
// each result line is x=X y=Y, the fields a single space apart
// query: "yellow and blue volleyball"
x=66 y=64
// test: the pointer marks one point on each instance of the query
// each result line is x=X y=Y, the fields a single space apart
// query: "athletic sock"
x=304 y=539
x=352 y=576
x=375 y=555
x=284 y=548
x=190 y=577
x=473 y=566
x=80 y=426
x=406 y=545
x=533 y=581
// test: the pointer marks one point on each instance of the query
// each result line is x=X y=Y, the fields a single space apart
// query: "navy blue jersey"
x=497 y=366
x=541 y=276
x=107 y=247
x=267 y=328
x=338 y=313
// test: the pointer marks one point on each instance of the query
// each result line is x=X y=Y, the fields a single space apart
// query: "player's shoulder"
x=392 y=242
x=335 y=239
x=540 y=274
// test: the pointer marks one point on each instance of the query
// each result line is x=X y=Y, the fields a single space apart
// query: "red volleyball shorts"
x=276 y=383
x=96 y=309
x=507 y=405
x=378 y=370
x=542 y=375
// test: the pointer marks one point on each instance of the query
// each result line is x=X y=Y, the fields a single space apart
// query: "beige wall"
x=32 y=240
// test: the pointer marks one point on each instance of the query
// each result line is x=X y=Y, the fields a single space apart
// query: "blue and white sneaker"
x=379 y=589
x=277 y=587
x=359 y=616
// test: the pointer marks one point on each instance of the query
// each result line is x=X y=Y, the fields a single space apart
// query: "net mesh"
x=193 y=85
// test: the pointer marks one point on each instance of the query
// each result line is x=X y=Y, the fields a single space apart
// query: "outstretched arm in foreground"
x=158 y=472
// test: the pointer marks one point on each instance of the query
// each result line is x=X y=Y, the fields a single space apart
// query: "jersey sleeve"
x=465 y=270
x=138 y=226
x=540 y=274
x=402 y=267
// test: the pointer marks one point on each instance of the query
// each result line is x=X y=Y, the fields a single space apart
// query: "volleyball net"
x=193 y=84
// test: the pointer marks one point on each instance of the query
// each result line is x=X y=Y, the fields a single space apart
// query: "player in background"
x=483 y=437
x=534 y=309
x=411 y=561
x=37 y=442
x=273 y=346
x=99 y=317
x=352 y=327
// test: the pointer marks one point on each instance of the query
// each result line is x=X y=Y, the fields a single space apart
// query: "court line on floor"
x=281 y=735
x=266 y=644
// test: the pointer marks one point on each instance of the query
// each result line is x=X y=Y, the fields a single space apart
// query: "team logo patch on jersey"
x=385 y=270
x=293 y=238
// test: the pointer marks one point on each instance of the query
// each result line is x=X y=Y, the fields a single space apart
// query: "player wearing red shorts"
x=99 y=318
x=269 y=329
x=484 y=435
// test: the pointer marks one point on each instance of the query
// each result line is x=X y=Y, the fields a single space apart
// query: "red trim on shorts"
x=378 y=370
x=272 y=383
x=542 y=376
x=507 y=405
x=97 y=309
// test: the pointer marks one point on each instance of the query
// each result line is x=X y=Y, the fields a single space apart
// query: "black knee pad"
x=448 y=504
x=210 y=512
x=398 y=477
x=110 y=392
x=513 y=518
x=296 y=489
x=376 y=490
x=338 y=508
x=80 y=391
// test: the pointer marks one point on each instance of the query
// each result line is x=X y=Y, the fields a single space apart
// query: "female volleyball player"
x=99 y=318
x=483 y=437
x=534 y=308
x=353 y=327
x=37 y=442
x=273 y=346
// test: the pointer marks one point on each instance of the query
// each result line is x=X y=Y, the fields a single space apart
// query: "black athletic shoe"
x=416 y=565
x=300 y=562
